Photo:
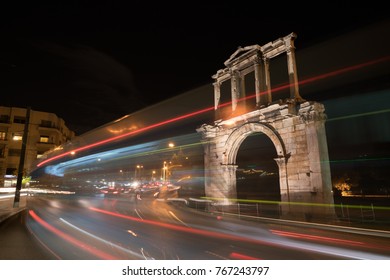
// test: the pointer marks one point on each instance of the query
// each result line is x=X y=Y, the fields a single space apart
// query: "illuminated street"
x=143 y=132
x=77 y=228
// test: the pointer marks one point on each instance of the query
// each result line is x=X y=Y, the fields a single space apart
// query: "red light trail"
x=186 y=116
x=71 y=239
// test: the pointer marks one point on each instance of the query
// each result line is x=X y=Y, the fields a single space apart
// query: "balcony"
x=48 y=127
x=46 y=144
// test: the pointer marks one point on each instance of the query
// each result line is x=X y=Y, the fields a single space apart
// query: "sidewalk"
x=16 y=242
x=7 y=208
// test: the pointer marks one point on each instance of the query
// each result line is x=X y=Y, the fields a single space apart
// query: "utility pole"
x=21 y=162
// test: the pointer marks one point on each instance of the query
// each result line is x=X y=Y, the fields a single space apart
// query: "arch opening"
x=257 y=174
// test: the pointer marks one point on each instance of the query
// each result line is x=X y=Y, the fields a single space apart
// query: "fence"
x=365 y=215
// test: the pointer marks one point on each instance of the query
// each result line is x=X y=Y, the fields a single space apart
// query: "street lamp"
x=138 y=167
x=164 y=171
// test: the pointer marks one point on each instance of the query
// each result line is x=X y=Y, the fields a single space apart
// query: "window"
x=2 y=151
x=44 y=139
x=4 y=119
x=45 y=123
x=14 y=152
x=17 y=136
x=39 y=154
x=12 y=171
x=19 y=119
x=3 y=135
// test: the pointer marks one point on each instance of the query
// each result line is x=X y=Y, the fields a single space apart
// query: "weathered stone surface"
x=296 y=128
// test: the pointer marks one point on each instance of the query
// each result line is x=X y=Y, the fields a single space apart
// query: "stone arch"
x=236 y=138
x=295 y=127
x=302 y=158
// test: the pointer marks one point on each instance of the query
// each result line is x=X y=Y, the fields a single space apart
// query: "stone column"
x=228 y=190
x=284 y=187
x=258 y=66
x=267 y=80
x=320 y=176
x=220 y=179
x=235 y=90
x=217 y=98
x=292 y=70
x=242 y=93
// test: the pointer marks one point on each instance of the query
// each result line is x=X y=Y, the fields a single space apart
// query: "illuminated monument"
x=295 y=126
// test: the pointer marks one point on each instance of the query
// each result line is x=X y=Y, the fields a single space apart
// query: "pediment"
x=241 y=52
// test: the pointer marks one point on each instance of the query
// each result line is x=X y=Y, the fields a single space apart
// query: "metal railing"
x=363 y=215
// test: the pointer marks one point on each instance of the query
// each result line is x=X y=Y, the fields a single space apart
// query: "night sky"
x=92 y=62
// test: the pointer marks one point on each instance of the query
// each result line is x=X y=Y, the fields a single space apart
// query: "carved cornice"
x=314 y=117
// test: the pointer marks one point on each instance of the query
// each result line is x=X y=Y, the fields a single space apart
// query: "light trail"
x=70 y=239
x=199 y=112
x=359 y=115
x=174 y=216
x=358 y=160
x=239 y=256
x=330 y=205
x=125 y=135
x=330 y=240
x=245 y=237
x=101 y=239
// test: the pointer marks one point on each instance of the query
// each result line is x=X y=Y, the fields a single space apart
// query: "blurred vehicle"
x=112 y=192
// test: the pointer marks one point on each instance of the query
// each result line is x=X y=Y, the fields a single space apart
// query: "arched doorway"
x=257 y=173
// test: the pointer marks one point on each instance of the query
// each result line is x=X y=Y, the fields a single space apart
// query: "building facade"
x=45 y=131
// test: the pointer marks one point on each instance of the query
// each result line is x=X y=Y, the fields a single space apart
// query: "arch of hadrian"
x=295 y=126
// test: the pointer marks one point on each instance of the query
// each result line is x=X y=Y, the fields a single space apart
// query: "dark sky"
x=91 y=62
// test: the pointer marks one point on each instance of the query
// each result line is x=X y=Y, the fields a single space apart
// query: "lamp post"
x=21 y=161
x=164 y=171
x=137 y=170
x=166 y=164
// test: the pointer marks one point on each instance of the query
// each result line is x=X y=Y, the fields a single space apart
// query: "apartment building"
x=45 y=131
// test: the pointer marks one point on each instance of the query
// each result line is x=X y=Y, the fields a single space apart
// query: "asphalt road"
x=93 y=228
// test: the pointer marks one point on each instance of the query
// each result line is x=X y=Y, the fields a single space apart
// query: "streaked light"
x=189 y=115
x=71 y=239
